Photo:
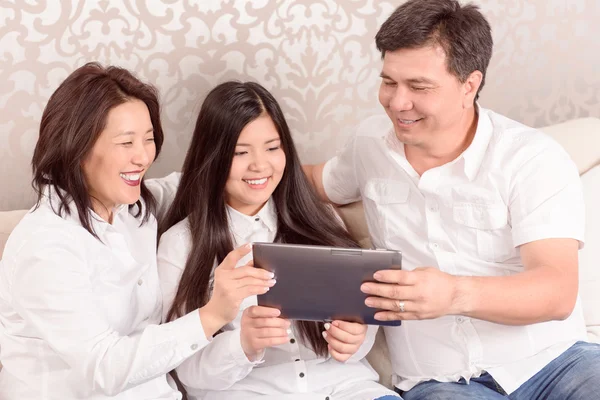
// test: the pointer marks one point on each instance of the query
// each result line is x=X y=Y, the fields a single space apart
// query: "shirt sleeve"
x=52 y=291
x=366 y=346
x=546 y=198
x=164 y=190
x=339 y=175
x=222 y=362
x=219 y=365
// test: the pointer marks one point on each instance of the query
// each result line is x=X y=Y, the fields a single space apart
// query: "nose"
x=401 y=99
x=259 y=161
x=141 y=156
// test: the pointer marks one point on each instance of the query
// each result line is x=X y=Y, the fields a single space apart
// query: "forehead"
x=407 y=63
x=259 y=130
x=131 y=116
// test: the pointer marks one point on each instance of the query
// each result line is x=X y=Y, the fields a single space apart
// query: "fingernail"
x=324 y=335
x=365 y=288
x=369 y=302
x=327 y=326
x=248 y=245
x=336 y=323
x=289 y=331
x=272 y=282
x=271 y=275
x=377 y=275
x=266 y=289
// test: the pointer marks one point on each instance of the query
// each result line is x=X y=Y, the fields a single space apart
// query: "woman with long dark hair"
x=80 y=302
x=242 y=182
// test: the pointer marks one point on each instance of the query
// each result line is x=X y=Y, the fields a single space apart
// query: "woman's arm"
x=52 y=291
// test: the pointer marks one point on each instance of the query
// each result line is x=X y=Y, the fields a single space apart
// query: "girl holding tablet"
x=242 y=182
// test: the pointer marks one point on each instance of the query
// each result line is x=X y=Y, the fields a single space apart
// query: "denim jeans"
x=574 y=375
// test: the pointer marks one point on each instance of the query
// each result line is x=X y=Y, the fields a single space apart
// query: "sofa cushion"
x=580 y=138
x=8 y=220
x=589 y=256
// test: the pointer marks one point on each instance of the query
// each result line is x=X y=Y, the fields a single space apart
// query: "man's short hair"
x=461 y=31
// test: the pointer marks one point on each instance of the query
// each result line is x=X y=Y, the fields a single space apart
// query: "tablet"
x=320 y=283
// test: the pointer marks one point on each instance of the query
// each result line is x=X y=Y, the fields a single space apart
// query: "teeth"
x=130 y=177
x=256 y=181
x=408 y=121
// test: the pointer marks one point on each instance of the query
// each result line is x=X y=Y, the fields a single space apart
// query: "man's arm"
x=314 y=173
x=545 y=291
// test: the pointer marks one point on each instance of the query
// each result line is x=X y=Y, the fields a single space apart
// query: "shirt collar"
x=100 y=226
x=474 y=154
x=243 y=224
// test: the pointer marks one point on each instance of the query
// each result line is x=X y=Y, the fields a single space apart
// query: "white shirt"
x=513 y=185
x=290 y=371
x=79 y=317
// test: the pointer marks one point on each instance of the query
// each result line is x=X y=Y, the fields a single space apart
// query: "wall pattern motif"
x=317 y=57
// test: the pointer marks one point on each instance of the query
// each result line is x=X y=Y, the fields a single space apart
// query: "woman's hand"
x=231 y=286
x=262 y=328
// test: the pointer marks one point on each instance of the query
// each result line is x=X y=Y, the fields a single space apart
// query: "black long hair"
x=301 y=217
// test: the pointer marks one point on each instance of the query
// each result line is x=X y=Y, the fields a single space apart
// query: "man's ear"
x=470 y=88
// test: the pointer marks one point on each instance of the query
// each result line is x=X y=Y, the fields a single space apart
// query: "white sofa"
x=581 y=138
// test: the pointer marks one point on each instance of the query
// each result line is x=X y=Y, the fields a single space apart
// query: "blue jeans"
x=574 y=375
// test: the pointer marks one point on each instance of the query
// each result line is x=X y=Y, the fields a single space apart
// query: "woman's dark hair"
x=301 y=217
x=462 y=31
x=72 y=121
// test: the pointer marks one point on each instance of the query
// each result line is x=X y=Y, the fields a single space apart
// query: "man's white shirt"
x=513 y=185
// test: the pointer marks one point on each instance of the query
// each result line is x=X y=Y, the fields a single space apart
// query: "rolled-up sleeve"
x=339 y=175
x=546 y=198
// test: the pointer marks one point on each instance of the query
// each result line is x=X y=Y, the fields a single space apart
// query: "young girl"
x=242 y=182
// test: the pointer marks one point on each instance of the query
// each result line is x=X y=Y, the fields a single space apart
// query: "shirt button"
x=433 y=209
x=292 y=340
x=301 y=375
x=257 y=219
x=140 y=282
x=435 y=245
x=297 y=359
x=327 y=398
x=460 y=320
x=194 y=346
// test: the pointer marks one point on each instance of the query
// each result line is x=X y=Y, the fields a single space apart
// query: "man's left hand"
x=423 y=293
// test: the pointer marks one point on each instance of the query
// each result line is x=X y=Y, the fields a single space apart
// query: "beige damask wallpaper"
x=317 y=57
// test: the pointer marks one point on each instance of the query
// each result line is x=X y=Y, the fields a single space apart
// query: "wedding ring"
x=401 y=306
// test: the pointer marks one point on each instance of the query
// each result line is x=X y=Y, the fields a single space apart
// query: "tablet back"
x=320 y=283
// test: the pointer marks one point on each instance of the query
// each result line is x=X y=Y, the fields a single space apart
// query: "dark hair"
x=72 y=121
x=301 y=217
x=462 y=31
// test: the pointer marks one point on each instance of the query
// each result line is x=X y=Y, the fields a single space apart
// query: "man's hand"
x=423 y=293
x=344 y=338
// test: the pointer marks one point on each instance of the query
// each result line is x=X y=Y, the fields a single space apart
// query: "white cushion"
x=589 y=256
x=580 y=138
x=8 y=220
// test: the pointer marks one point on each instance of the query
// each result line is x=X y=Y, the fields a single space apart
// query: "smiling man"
x=487 y=212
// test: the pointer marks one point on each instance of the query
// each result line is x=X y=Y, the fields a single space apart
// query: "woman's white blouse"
x=290 y=371
x=79 y=316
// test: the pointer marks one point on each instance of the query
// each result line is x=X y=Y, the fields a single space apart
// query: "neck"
x=104 y=212
x=445 y=149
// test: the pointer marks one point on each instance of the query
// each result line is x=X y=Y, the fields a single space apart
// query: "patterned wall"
x=317 y=57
